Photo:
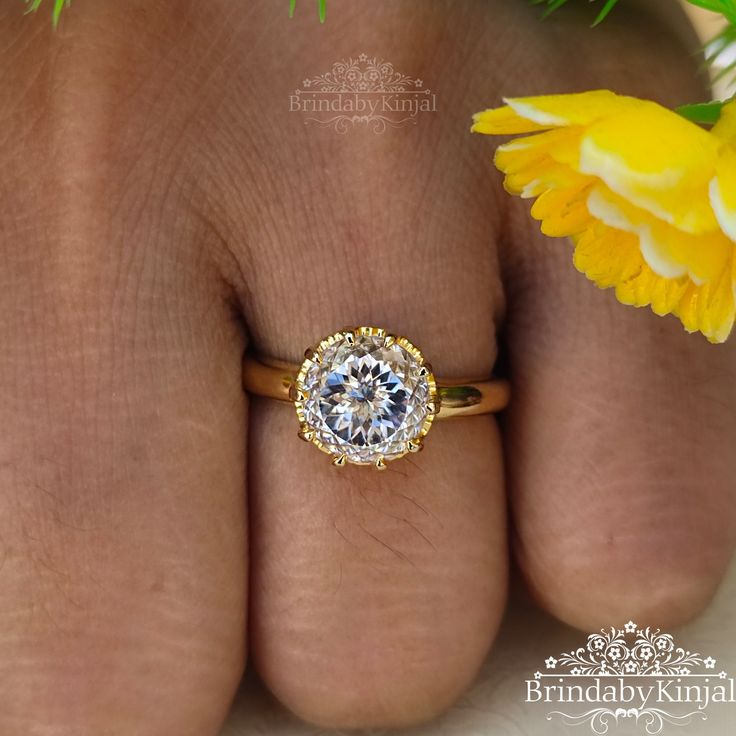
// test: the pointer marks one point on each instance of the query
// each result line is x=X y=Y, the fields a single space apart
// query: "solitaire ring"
x=367 y=397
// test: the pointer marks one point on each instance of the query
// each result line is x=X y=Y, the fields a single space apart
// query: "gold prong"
x=305 y=433
x=350 y=338
x=415 y=445
x=425 y=370
x=380 y=464
x=389 y=341
x=431 y=407
x=309 y=354
x=338 y=462
x=296 y=394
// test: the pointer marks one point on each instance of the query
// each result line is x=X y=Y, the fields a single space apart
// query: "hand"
x=161 y=211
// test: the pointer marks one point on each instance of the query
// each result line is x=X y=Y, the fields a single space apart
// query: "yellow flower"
x=648 y=198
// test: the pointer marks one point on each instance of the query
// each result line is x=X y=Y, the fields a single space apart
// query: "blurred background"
x=708 y=25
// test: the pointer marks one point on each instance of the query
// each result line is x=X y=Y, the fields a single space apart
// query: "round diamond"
x=367 y=396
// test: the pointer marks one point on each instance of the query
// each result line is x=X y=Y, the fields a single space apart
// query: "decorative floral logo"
x=362 y=91
x=629 y=674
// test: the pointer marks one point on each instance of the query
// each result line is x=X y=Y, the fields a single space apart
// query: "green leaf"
x=727 y=8
x=607 y=8
x=321 y=9
x=704 y=113
x=33 y=7
x=553 y=5
x=59 y=5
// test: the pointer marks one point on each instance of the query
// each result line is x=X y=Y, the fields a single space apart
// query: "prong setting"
x=371 y=386
x=296 y=394
x=312 y=355
x=305 y=433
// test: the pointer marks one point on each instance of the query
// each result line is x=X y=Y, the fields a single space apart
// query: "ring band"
x=459 y=397
x=366 y=396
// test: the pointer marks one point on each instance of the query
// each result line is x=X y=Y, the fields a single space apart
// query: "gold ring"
x=367 y=397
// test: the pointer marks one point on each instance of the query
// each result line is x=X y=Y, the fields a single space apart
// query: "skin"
x=160 y=211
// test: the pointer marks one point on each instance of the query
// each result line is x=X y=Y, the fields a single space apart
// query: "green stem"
x=321 y=9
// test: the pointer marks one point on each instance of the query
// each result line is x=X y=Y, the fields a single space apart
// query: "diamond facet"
x=367 y=396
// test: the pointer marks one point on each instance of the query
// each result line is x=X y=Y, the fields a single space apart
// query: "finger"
x=619 y=436
x=121 y=461
x=375 y=597
x=618 y=457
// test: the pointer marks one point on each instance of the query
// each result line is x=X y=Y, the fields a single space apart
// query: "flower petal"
x=607 y=256
x=502 y=121
x=522 y=152
x=669 y=252
x=709 y=308
x=541 y=176
x=563 y=212
x=657 y=160
x=581 y=108
x=723 y=191
x=611 y=257
x=648 y=197
x=704 y=257
x=725 y=128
